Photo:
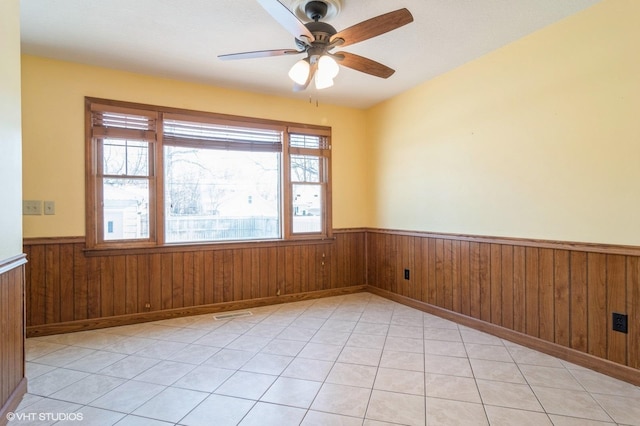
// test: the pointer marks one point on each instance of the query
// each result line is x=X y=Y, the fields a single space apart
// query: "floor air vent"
x=232 y=315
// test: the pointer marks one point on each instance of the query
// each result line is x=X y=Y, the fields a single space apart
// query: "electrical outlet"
x=620 y=323
x=31 y=207
x=49 y=207
x=406 y=274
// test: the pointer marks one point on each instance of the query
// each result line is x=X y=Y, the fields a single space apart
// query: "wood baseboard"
x=104 y=322
x=600 y=365
x=13 y=401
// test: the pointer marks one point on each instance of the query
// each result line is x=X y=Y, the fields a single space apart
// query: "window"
x=158 y=176
x=212 y=173
x=309 y=177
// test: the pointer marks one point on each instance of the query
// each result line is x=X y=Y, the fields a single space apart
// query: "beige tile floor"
x=350 y=360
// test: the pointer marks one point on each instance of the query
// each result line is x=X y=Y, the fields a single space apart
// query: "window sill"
x=193 y=247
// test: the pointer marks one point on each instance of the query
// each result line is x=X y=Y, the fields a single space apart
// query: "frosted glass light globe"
x=328 y=66
x=299 y=72
x=323 y=80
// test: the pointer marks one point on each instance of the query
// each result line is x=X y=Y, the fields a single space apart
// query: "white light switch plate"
x=31 y=207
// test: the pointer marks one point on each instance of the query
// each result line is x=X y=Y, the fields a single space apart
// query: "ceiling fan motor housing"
x=321 y=30
x=322 y=33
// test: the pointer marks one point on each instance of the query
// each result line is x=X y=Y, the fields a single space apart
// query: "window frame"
x=323 y=152
x=94 y=213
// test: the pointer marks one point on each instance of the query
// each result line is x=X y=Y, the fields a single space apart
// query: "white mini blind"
x=220 y=136
x=120 y=123
x=308 y=141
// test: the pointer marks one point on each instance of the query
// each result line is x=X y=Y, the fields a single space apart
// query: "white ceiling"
x=181 y=39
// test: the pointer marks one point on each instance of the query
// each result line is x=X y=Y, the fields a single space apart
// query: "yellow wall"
x=53 y=130
x=539 y=139
x=10 y=137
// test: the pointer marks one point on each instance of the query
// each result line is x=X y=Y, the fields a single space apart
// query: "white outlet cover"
x=49 y=207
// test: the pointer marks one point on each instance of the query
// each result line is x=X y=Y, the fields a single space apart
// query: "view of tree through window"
x=215 y=194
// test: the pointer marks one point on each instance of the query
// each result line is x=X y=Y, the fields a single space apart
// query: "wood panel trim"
x=14 y=400
x=349 y=230
x=13 y=262
x=183 y=248
x=114 y=321
x=187 y=247
x=12 y=330
x=523 y=242
x=52 y=240
x=87 y=287
x=81 y=239
x=592 y=362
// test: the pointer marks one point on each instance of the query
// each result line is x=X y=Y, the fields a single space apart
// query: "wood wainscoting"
x=560 y=293
x=12 y=370
x=552 y=296
x=71 y=289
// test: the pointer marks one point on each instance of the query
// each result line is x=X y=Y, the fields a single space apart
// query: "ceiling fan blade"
x=362 y=64
x=312 y=71
x=374 y=27
x=259 y=54
x=287 y=19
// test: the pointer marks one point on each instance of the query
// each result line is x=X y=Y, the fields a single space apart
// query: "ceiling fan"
x=317 y=39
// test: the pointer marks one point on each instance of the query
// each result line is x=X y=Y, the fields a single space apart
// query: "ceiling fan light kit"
x=317 y=39
x=327 y=70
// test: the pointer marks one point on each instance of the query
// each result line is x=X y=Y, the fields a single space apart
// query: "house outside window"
x=160 y=176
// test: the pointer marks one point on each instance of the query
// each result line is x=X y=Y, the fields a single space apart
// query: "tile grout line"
x=339 y=310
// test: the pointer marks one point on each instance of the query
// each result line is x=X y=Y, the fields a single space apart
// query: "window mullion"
x=158 y=176
x=97 y=171
x=287 y=185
